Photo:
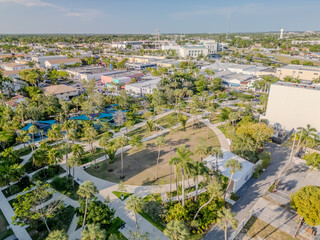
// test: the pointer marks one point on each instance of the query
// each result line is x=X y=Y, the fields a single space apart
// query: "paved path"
x=255 y=188
x=19 y=231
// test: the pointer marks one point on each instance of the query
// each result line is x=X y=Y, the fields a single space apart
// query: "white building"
x=56 y=63
x=294 y=105
x=61 y=91
x=13 y=66
x=240 y=177
x=87 y=73
x=143 y=87
x=42 y=59
x=193 y=51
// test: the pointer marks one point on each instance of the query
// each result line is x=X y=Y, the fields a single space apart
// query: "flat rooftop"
x=300 y=67
x=297 y=85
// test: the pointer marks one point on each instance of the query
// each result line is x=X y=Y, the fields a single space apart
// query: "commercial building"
x=87 y=73
x=304 y=73
x=293 y=105
x=143 y=87
x=193 y=51
x=13 y=66
x=40 y=60
x=61 y=91
x=240 y=177
x=140 y=66
x=119 y=78
x=56 y=63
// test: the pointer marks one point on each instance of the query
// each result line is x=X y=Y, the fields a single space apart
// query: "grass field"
x=169 y=120
x=256 y=229
x=287 y=60
x=125 y=195
x=140 y=165
x=4 y=232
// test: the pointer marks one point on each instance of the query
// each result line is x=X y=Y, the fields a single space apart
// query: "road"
x=251 y=192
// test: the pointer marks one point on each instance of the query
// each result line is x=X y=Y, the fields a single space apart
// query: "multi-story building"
x=143 y=87
x=13 y=66
x=304 y=73
x=294 y=105
x=193 y=51
x=40 y=60
x=61 y=91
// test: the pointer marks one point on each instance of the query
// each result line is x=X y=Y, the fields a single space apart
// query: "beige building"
x=294 y=105
x=61 y=91
x=306 y=73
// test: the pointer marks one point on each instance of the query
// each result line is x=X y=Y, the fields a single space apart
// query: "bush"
x=64 y=186
x=17 y=187
x=47 y=173
x=234 y=196
x=155 y=210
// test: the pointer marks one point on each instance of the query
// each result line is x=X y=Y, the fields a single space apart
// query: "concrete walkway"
x=19 y=231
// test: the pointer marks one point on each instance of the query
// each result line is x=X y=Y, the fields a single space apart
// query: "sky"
x=165 y=16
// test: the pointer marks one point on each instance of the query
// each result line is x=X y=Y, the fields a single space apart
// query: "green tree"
x=306 y=202
x=183 y=120
x=182 y=161
x=198 y=168
x=9 y=173
x=122 y=141
x=93 y=232
x=55 y=156
x=176 y=230
x=90 y=134
x=135 y=204
x=71 y=164
x=312 y=159
x=225 y=217
x=217 y=153
x=33 y=130
x=160 y=141
x=86 y=190
x=150 y=124
x=57 y=235
x=136 y=142
x=202 y=150
x=26 y=206
x=234 y=166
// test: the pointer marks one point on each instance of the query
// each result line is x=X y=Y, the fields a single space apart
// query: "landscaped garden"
x=140 y=164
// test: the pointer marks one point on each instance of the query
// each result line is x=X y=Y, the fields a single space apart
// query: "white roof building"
x=240 y=177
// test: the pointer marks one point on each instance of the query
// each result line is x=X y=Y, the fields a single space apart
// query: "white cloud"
x=86 y=14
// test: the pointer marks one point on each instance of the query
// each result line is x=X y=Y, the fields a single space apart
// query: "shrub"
x=234 y=196
x=155 y=210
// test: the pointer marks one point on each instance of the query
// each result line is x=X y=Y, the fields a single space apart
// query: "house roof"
x=14 y=72
x=64 y=60
x=57 y=89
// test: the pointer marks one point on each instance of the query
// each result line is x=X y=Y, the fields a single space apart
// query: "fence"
x=241 y=225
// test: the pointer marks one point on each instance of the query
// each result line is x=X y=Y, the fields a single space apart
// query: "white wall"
x=293 y=107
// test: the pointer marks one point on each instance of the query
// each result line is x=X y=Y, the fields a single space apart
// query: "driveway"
x=255 y=188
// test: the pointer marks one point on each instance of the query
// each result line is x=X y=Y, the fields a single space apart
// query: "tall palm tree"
x=54 y=156
x=90 y=134
x=214 y=189
x=122 y=141
x=33 y=130
x=234 y=166
x=77 y=151
x=135 y=204
x=177 y=230
x=73 y=161
x=93 y=232
x=198 y=168
x=9 y=173
x=217 y=152
x=226 y=217
x=160 y=141
x=86 y=190
x=305 y=133
x=182 y=161
x=201 y=150
x=104 y=142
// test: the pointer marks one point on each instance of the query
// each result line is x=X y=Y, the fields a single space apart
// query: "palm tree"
x=71 y=135
x=150 y=124
x=57 y=235
x=214 y=189
x=104 y=142
x=121 y=142
x=226 y=217
x=234 y=166
x=9 y=173
x=86 y=190
x=90 y=134
x=77 y=151
x=176 y=230
x=201 y=150
x=136 y=142
x=183 y=120
x=33 y=130
x=305 y=133
x=135 y=204
x=73 y=161
x=217 y=152
x=93 y=232
x=54 y=156
x=182 y=161
x=160 y=141
x=198 y=169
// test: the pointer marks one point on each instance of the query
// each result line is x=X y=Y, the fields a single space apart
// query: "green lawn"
x=4 y=232
x=114 y=228
x=158 y=225
x=89 y=157
x=169 y=120
x=143 y=132
x=125 y=194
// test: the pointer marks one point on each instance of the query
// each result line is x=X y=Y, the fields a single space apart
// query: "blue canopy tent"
x=81 y=117
x=104 y=115
x=42 y=125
